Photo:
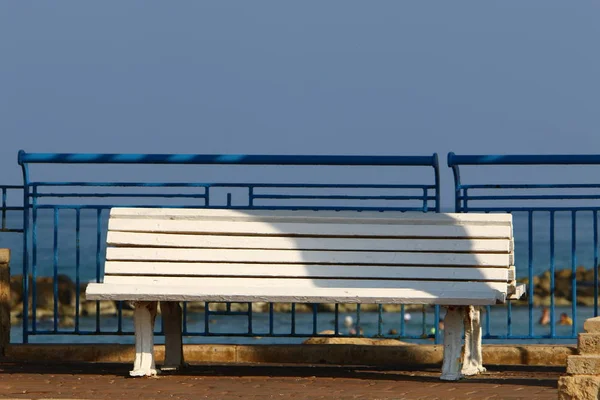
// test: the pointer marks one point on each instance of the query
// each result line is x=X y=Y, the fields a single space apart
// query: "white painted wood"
x=304 y=257
x=472 y=356
x=305 y=271
x=409 y=218
x=172 y=318
x=517 y=291
x=307 y=243
x=452 y=293
x=143 y=317
x=311 y=229
x=453 y=326
x=276 y=285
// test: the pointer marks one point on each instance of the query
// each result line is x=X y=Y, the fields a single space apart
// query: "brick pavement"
x=110 y=381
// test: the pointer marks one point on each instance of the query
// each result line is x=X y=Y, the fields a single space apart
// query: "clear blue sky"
x=309 y=77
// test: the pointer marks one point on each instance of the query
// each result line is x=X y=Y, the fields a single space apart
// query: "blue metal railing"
x=559 y=225
x=6 y=209
x=67 y=219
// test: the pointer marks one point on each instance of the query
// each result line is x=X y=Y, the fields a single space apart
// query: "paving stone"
x=258 y=381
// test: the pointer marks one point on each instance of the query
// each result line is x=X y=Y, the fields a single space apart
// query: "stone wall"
x=582 y=381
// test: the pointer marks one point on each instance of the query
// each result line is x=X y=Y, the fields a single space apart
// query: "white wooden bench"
x=219 y=255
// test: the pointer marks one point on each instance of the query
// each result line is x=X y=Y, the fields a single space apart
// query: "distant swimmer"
x=545 y=317
x=565 y=319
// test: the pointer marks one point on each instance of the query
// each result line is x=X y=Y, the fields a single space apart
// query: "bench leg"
x=453 y=327
x=143 y=318
x=472 y=360
x=171 y=314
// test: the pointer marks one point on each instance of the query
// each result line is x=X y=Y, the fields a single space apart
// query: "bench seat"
x=223 y=255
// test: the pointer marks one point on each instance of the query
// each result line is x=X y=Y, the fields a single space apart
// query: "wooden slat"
x=306 y=271
x=471 y=293
x=304 y=257
x=408 y=218
x=310 y=229
x=278 y=242
x=269 y=284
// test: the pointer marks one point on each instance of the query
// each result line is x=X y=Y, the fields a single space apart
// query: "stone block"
x=579 y=387
x=592 y=325
x=588 y=343
x=583 y=365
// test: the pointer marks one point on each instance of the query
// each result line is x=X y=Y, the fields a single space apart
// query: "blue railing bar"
x=244 y=313
x=271 y=316
x=424 y=323
x=509 y=318
x=341 y=197
x=552 y=272
x=596 y=266
x=357 y=319
x=574 y=271
x=436 y=171
x=184 y=318
x=4 y=208
x=77 y=268
x=336 y=319
x=26 y=242
x=533 y=197
x=235 y=159
x=161 y=195
x=207 y=314
x=436 y=316
x=524 y=159
x=379 y=320
x=402 y=322
x=10 y=208
x=55 y=269
x=532 y=208
x=98 y=262
x=488 y=311
x=314 y=318
x=250 y=318
x=532 y=186
x=293 y=207
x=530 y=269
x=11 y=187
x=524 y=337
x=326 y=185
x=33 y=266
x=241 y=185
x=260 y=334
x=293 y=330
x=122 y=184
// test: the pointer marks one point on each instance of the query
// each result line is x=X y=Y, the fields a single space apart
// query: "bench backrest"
x=167 y=246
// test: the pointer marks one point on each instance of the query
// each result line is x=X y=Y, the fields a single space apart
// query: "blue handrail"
x=523 y=159
x=240 y=159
